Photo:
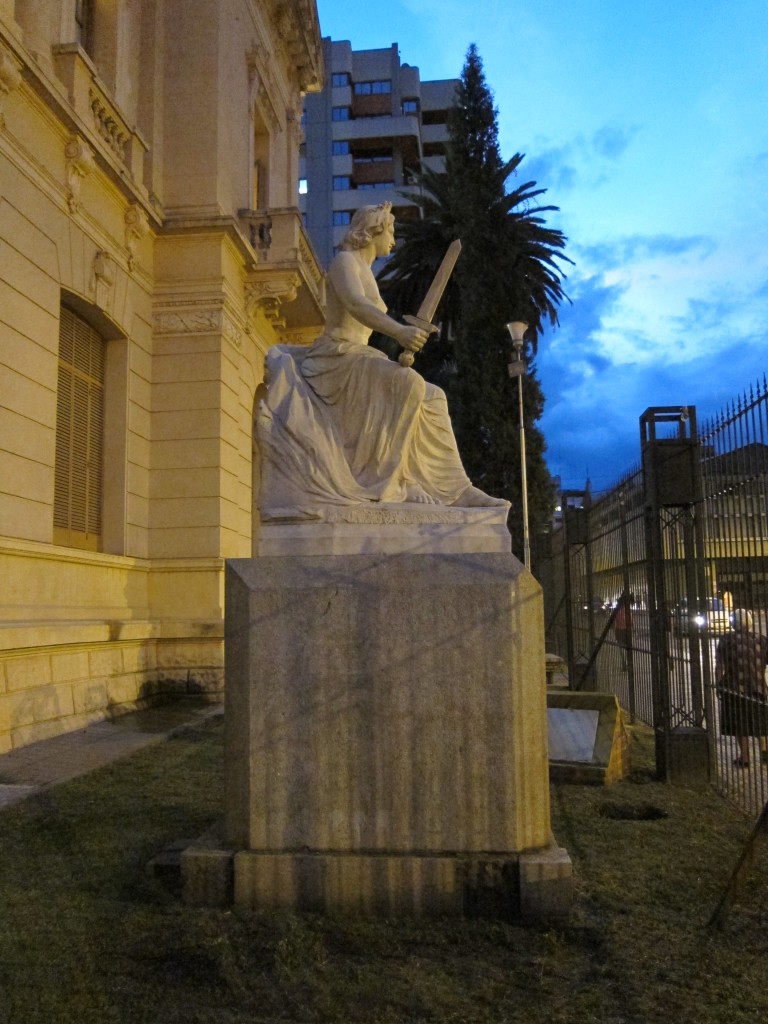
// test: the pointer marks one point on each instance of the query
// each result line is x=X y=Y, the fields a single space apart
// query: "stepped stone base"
x=535 y=887
x=386 y=747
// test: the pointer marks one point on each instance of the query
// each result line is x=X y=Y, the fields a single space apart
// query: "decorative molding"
x=267 y=293
x=104 y=273
x=309 y=262
x=395 y=515
x=10 y=77
x=191 y=318
x=136 y=227
x=263 y=87
x=80 y=163
x=295 y=127
x=387 y=514
x=231 y=331
x=187 y=321
x=91 y=103
x=298 y=30
x=290 y=337
x=104 y=268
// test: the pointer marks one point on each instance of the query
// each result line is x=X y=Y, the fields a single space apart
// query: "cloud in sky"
x=579 y=162
x=597 y=382
x=612 y=140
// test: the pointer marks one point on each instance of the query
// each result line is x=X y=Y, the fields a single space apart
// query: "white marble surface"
x=342 y=423
x=572 y=733
x=386 y=529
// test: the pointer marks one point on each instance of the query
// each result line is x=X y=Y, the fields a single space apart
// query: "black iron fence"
x=643 y=586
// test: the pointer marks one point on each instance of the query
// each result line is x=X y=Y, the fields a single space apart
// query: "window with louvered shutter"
x=79 y=434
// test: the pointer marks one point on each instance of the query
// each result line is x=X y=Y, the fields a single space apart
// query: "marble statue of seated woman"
x=342 y=424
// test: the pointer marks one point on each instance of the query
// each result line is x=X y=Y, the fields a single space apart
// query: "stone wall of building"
x=130 y=143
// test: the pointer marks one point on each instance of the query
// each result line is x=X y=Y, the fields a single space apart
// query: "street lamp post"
x=517 y=329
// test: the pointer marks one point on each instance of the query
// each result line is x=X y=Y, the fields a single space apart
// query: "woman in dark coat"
x=740 y=666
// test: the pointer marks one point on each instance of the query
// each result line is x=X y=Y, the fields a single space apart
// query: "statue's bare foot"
x=415 y=493
x=473 y=497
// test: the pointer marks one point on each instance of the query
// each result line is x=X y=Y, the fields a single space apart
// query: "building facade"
x=366 y=134
x=151 y=250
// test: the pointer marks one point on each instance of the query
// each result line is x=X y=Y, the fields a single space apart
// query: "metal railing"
x=683 y=539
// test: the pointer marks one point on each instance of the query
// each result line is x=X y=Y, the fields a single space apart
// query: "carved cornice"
x=298 y=30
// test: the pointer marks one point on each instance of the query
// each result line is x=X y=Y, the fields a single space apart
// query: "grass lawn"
x=88 y=936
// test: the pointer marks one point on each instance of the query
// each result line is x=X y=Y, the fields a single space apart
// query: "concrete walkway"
x=40 y=765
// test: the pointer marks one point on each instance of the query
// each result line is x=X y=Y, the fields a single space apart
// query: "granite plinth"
x=385 y=721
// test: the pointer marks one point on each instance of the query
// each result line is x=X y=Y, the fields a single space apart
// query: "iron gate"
x=683 y=538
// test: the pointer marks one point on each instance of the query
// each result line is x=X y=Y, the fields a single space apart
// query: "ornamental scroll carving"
x=136 y=227
x=293 y=20
x=104 y=273
x=187 y=321
x=80 y=163
x=267 y=296
x=197 y=321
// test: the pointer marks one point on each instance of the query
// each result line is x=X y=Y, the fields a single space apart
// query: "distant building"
x=365 y=135
x=151 y=251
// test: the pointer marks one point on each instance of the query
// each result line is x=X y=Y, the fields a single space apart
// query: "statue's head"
x=366 y=223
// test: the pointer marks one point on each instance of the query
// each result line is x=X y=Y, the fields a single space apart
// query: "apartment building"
x=151 y=251
x=365 y=134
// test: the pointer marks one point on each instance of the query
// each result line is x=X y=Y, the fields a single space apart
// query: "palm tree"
x=530 y=251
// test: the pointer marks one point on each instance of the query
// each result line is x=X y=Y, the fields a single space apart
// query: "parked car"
x=710 y=615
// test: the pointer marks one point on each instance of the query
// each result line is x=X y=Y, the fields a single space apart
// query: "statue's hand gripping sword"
x=423 y=318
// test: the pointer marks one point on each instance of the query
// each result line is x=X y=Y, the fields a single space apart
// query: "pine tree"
x=508 y=270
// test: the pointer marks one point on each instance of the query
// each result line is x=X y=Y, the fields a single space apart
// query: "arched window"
x=77 y=513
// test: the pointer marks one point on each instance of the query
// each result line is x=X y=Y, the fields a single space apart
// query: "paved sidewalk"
x=40 y=765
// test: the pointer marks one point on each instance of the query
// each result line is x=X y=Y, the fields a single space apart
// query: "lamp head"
x=517 y=329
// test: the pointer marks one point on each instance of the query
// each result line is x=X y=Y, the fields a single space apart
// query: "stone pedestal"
x=386 y=746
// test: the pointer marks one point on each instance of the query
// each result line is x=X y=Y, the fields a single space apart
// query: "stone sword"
x=423 y=318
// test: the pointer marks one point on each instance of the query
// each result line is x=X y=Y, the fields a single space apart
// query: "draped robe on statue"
x=343 y=424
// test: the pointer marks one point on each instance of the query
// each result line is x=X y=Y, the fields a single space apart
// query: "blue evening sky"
x=647 y=123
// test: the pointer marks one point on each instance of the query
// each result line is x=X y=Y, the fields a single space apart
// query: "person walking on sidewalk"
x=740 y=664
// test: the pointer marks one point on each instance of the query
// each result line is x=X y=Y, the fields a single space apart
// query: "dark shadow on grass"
x=632 y=812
